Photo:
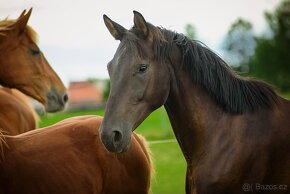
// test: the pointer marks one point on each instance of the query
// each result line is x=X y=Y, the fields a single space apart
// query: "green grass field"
x=286 y=95
x=168 y=160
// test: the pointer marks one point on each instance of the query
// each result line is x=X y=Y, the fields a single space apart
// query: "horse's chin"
x=54 y=108
x=119 y=150
x=124 y=149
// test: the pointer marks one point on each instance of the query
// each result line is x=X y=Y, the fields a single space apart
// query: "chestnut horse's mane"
x=7 y=24
x=234 y=94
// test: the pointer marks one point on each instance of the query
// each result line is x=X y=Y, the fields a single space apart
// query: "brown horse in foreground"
x=24 y=67
x=234 y=132
x=69 y=158
x=16 y=115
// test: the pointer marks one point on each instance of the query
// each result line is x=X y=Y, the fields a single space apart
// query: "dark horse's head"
x=140 y=83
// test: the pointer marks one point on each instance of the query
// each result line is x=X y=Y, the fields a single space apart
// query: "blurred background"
x=251 y=36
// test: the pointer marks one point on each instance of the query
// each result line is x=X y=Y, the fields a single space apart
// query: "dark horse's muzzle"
x=114 y=140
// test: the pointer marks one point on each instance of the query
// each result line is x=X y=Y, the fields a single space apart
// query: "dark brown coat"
x=234 y=132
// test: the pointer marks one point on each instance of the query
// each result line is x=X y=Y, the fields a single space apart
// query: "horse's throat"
x=188 y=128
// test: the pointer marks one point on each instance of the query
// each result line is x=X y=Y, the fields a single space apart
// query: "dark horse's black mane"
x=233 y=93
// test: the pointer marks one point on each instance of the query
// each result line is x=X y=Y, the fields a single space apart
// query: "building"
x=84 y=95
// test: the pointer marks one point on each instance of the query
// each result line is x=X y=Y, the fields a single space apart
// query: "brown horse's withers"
x=69 y=158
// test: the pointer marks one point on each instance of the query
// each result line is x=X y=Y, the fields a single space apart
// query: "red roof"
x=84 y=91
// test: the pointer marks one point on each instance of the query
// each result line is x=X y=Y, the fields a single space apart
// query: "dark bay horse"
x=234 y=132
x=24 y=67
x=16 y=114
x=69 y=158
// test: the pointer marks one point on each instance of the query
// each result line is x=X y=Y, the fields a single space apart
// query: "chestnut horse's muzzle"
x=55 y=101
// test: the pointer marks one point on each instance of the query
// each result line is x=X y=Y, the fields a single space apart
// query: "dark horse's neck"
x=204 y=91
x=187 y=107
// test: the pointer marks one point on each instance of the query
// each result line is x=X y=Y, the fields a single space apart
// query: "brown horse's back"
x=69 y=158
x=279 y=165
x=256 y=157
x=16 y=115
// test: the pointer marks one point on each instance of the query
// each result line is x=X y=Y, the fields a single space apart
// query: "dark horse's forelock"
x=233 y=93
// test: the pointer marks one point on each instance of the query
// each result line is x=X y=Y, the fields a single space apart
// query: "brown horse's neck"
x=190 y=109
x=7 y=78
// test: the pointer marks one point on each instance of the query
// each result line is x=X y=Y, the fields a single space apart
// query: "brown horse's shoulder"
x=84 y=129
x=144 y=146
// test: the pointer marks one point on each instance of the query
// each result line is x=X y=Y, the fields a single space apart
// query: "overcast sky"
x=77 y=44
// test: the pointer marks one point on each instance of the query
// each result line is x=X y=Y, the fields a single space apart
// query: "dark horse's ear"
x=21 y=23
x=115 y=29
x=141 y=24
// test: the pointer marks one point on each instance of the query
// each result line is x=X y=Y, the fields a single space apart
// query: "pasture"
x=168 y=160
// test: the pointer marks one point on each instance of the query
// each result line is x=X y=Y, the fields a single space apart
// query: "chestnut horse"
x=69 y=158
x=16 y=114
x=24 y=67
x=234 y=132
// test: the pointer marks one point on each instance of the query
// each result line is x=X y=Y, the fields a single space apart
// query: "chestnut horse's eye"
x=35 y=52
x=142 y=68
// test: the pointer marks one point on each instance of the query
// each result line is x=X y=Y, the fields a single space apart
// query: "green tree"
x=190 y=31
x=106 y=90
x=103 y=84
x=272 y=55
x=239 y=44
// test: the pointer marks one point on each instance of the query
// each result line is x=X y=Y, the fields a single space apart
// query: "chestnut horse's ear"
x=141 y=25
x=22 y=14
x=115 y=29
x=21 y=23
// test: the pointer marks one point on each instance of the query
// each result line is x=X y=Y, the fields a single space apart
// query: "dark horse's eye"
x=142 y=68
x=35 y=52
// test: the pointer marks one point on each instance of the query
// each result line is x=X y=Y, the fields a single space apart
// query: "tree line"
x=265 y=56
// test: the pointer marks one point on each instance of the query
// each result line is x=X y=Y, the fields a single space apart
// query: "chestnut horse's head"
x=24 y=67
x=140 y=81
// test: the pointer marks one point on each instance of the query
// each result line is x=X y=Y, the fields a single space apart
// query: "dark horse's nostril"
x=117 y=137
x=65 y=98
